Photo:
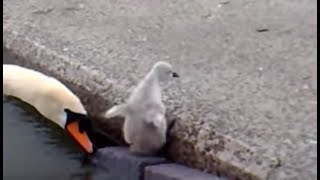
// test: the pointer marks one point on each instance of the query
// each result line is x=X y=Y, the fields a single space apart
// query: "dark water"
x=35 y=148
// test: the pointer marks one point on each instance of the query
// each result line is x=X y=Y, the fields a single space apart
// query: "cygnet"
x=145 y=125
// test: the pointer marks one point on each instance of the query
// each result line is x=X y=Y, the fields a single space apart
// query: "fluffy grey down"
x=145 y=125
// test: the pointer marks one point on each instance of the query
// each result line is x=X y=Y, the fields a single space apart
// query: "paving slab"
x=120 y=162
x=246 y=101
x=176 y=172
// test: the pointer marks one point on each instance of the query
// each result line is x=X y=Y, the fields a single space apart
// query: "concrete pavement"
x=246 y=101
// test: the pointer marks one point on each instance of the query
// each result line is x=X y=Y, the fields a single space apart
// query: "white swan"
x=52 y=99
x=145 y=124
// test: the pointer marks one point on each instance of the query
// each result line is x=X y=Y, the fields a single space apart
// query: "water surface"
x=35 y=148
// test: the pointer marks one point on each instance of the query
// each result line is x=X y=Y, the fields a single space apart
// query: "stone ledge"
x=79 y=74
x=174 y=171
x=127 y=166
x=124 y=164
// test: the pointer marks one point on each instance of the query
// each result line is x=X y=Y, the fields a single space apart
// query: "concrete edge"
x=173 y=171
x=119 y=160
x=76 y=74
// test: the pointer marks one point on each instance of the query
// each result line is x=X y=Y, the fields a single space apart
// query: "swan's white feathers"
x=48 y=95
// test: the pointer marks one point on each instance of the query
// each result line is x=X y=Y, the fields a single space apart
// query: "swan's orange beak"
x=81 y=138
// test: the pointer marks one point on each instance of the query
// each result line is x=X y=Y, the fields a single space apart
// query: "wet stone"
x=124 y=164
x=176 y=172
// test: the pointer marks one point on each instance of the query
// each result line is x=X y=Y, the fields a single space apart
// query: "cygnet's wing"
x=119 y=110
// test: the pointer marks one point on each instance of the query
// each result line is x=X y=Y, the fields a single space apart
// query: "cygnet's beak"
x=81 y=137
x=175 y=75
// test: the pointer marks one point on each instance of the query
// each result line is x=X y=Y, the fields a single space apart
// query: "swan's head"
x=80 y=128
x=164 y=71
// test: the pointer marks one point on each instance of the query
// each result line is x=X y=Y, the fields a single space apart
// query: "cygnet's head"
x=164 y=71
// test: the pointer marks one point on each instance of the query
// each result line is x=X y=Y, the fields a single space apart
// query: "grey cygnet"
x=145 y=125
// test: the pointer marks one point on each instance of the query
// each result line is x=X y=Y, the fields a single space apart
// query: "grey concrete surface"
x=246 y=100
x=173 y=171
x=120 y=162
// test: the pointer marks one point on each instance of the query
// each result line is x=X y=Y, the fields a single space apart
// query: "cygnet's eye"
x=174 y=74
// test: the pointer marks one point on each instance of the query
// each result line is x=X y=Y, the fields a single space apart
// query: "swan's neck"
x=63 y=119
